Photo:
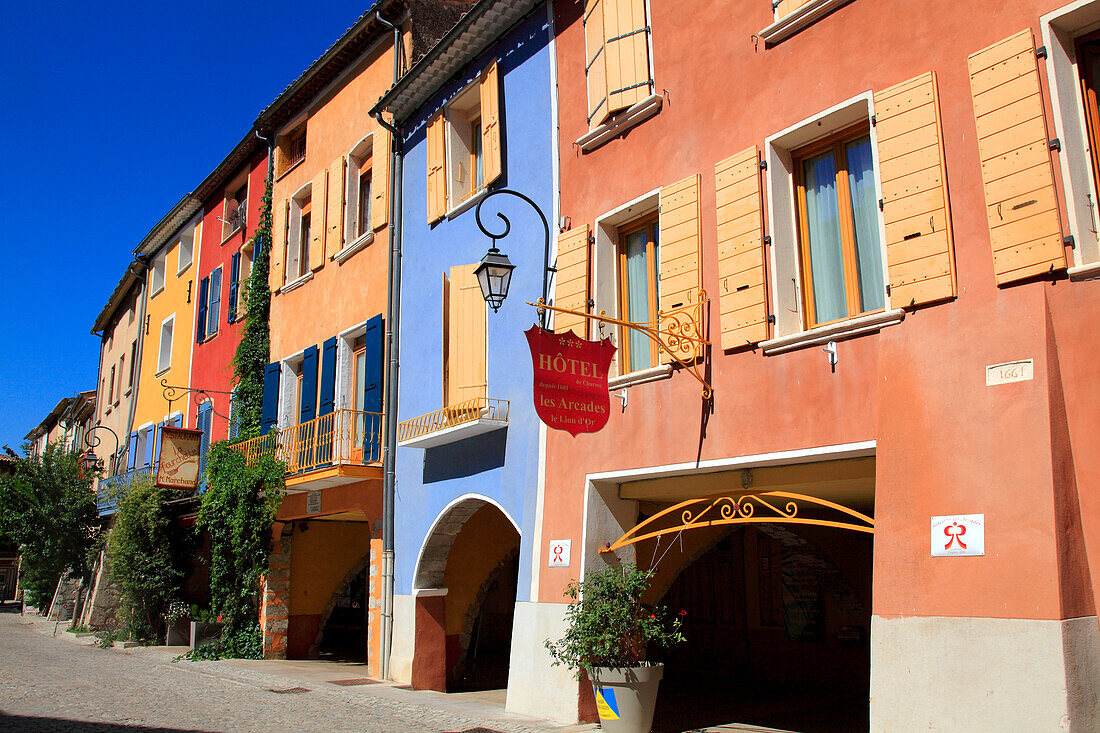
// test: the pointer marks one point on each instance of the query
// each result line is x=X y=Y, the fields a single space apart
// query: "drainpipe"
x=393 y=339
x=142 y=276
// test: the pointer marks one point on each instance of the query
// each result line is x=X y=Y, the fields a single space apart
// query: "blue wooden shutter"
x=372 y=387
x=203 y=422
x=150 y=444
x=177 y=421
x=308 y=398
x=131 y=452
x=269 y=412
x=200 y=328
x=234 y=286
x=215 y=301
x=157 y=435
x=327 y=401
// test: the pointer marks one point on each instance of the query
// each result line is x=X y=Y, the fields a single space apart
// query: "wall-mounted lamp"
x=494 y=274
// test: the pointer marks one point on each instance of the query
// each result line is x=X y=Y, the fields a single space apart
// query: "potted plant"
x=177 y=621
x=204 y=627
x=608 y=632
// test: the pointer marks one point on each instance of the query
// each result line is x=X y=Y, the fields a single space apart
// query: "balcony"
x=334 y=449
x=111 y=491
x=456 y=422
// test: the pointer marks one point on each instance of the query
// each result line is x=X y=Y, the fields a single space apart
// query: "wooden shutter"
x=571 y=281
x=626 y=44
x=200 y=326
x=374 y=340
x=317 y=224
x=446 y=318
x=678 y=248
x=308 y=398
x=437 y=183
x=159 y=435
x=920 y=253
x=466 y=347
x=351 y=200
x=595 y=61
x=742 y=292
x=785 y=7
x=326 y=400
x=490 y=124
x=278 y=246
x=131 y=453
x=380 y=179
x=334 y=217
x=269 y=410
x=1025 y=229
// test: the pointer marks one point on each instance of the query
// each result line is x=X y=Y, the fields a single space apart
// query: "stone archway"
x=432 y=562
x=363 y=564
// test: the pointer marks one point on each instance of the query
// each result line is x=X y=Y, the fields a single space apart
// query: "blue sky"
x=112 y=112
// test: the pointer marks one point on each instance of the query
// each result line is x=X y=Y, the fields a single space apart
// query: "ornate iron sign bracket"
x=711 y=511
x=678 y=333
x=170 y=395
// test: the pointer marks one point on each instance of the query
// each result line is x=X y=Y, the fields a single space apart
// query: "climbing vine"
x=237 y=510
x=252 y=351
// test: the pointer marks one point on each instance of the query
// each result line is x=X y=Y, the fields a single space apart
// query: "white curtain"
x=861 y=183
x=637 y=299
x=823 y=224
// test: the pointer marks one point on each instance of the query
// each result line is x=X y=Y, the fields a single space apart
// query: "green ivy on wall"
x=253 y=349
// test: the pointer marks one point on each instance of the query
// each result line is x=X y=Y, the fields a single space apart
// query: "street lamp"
x=494 y=274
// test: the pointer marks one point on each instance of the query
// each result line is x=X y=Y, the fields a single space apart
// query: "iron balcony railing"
x=479 y=408
x=338 y=438
x=111 y=491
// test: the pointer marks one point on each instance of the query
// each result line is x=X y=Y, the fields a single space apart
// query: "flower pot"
x=204 y=632
x=626 y=698
x=179 y=633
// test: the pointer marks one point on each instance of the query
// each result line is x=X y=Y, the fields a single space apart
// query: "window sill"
x=352 y=248
x=832 y=332
x=128 y=391
x=163 y=371
x=1090 y=271
x=620 y=123
x=158 y=292
x=232 y=234
x=643 y=376
x=295 y=284
x=185 y=268
x=807 y=15
x=468 y=202
x=208 y=338
x=288 y=170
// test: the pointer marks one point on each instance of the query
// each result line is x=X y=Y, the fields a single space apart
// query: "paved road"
x=49 y=684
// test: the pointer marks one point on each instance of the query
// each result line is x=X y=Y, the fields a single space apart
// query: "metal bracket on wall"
x=169 y=392
x=678 y=333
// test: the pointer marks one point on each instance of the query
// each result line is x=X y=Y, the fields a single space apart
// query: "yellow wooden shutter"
x=490 y=124
x=380 y=179
x=595 y=61
x=571 y=281
x=785 y=7
x=317 y=225
x=742 y=292
x=466 y=350
x=277 y=271
x=337 y=185
x=626 y=44
x=437 y=184
x=446 y=340
x=1025 y=229
x=678 y=248
x=920 y=252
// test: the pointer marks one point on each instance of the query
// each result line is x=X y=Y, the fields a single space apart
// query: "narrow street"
x=53 y=684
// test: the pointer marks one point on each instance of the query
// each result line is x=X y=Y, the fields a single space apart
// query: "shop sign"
x=179 y=458
x=570 y=375
x=559 y=553
x=958 y=535
x=313 y=502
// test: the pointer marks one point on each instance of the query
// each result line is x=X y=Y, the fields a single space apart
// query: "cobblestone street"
x=55 y=684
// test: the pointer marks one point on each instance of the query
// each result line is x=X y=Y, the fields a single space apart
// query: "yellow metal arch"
x=713 y=511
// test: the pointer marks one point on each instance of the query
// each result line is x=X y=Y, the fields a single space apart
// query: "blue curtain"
x=823 y=224
x=861 y=183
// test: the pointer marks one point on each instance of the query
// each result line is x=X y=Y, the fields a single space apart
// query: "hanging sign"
x=179 y=458
x=570 y=380
x=958 y=535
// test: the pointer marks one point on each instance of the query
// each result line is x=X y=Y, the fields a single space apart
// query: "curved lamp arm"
x=546 y=269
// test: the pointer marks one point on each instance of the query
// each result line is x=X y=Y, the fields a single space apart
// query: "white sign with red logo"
x=559 y=553
x=958 y=535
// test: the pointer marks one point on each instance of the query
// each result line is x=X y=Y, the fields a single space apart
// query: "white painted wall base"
x=401 y=651
x=984 y=674
x=535 y=687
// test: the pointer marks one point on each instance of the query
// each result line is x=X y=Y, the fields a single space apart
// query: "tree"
x=48 y=508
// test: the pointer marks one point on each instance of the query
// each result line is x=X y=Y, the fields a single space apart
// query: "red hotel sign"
x=570 y=380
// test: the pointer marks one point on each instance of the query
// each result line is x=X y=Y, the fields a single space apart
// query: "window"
x=617 y=71
x=186 y=249
x=234 y=285
x=121 y=371
x=298 y=239
x=838 y=218
x=111 y=387
x=464 y=146
x=164 y=358
x=156 y=272
x=214 y=310
x=133 y=363
x=359 y=216
x=464 y=376
x=364 y=201
x=638 y=291
x=234 y=209
x=291 y=149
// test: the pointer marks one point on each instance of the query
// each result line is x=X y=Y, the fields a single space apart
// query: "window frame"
x=291 y=148
x=186 y=243
x=650 y=224
x=231 y=226
x=234 y=287
x=170 y=322
x=303 y=199
x=158 y=273
x=213 y=303
x=836 y=142
x=460 y=116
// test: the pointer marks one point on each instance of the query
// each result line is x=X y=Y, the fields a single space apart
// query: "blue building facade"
x=467 y=462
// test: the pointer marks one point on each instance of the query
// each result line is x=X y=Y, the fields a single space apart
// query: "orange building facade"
x=886 y=245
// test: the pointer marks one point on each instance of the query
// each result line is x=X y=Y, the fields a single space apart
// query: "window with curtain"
x=839 y=228
x=214 y=308
x=639 y=263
